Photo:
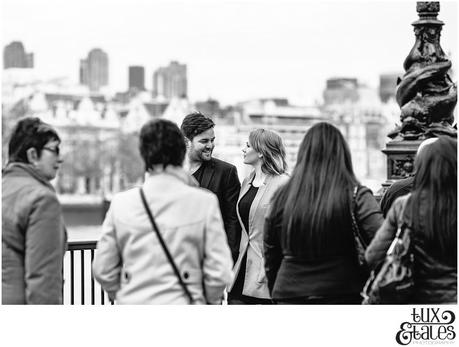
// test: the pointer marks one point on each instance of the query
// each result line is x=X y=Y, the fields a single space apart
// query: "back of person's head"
x=30 y=132
x=195 y=124
x=161 y=142
x=270 y=145
x=434 y=197
x=316 y=199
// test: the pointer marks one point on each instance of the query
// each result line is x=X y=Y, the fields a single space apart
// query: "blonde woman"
x=265 y=152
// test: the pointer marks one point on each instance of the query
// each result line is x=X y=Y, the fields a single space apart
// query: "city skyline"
x=233 y=51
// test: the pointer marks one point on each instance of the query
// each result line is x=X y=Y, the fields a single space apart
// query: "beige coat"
x=130 y=263
x=255 y=282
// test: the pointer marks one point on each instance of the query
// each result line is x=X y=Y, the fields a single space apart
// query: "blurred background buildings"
x=99 y=129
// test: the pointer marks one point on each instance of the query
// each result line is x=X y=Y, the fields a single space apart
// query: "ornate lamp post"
x=426 y=95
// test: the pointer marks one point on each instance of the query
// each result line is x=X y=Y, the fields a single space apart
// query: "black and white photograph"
x=287 y=168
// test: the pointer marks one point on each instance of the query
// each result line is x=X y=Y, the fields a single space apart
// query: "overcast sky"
x=235 y=50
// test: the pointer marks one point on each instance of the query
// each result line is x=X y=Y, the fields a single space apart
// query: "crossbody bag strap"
x=355 y=226
x=163 y=244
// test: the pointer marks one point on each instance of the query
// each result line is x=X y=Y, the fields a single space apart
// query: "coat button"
x=186 y=275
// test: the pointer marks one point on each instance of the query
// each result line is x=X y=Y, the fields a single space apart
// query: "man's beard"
x=205 y=155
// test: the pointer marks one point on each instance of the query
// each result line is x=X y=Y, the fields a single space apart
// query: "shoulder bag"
x=166 y=250
x=391 y=282
x=359 y=242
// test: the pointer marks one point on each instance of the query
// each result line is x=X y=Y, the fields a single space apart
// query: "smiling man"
x=213 y=174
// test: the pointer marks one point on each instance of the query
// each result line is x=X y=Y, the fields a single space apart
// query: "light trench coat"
x=130 y=263
x=255 y=282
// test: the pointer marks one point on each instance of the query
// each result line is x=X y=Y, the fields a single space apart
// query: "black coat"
x=330 y=275
x=397 y=189
x=435 y=281
x=221 y=178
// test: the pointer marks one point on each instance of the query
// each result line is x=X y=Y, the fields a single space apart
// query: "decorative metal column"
x=426 y=95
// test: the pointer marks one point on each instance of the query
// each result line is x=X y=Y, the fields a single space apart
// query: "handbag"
x=359 y=242
x=392 y=282
x=166 y=250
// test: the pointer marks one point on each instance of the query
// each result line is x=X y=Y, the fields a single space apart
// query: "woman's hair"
x=269 y=144
x=30 y=132
x=161 y=142
x=195 y=124
x=434 y=197
x=316 y=200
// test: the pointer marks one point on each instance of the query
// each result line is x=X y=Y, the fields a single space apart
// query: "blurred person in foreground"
x=130 y=263
x=213 y=174
x=310 y=254
x=403 y=186
x=34 y=238
x=265 y=152
x=430 y=211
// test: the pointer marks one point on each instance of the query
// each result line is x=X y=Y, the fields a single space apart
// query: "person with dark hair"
x=213 y=174
x=403 y=186
x=430 y=211
x=265 y=152
x=130 y=262
x=310 y=255
x=34 y=238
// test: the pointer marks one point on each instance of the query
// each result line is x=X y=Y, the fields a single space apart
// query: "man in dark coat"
x=213 y=174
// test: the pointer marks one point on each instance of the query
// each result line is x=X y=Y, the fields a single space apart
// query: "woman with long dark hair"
x=309 y=248
x=431 y=213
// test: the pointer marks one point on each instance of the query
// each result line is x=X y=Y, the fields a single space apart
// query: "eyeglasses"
x=56 y=150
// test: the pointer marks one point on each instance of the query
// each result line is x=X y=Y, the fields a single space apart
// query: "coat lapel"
x=207 y=174
x=258 y=197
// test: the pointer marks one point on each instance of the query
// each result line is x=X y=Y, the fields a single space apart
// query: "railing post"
x=72 y=278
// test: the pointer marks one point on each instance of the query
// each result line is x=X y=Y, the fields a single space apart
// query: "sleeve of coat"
x=378 y=247
x=272 y=248
x=368 y=213
x=44 y=251
x=107 y=259
x=230 y=196
x=218 y=263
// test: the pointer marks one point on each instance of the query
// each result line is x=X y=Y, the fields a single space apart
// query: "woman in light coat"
x=34 y=239
x=130 y=263
x=265 y=152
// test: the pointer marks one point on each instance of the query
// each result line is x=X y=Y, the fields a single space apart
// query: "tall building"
x=137 y=77
x=14 y=55
x=170 y=81
x=94 y=69
x=339 y=90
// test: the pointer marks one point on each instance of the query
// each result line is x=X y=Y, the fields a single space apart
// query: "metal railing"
x=79 y=278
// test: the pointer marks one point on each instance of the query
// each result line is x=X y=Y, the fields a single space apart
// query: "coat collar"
x=21 y=168
x=260 y=193
x=208 y=173
x=174 y=171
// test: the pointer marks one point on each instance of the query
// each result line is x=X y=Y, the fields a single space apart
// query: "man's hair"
x=161 y=142
x=195 y=124
x=29 y=132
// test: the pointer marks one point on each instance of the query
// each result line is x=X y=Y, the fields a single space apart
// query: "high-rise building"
x=136 y=77
x=14 y=55
x=94 y=69
x=170 y=81
x=340 y=90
